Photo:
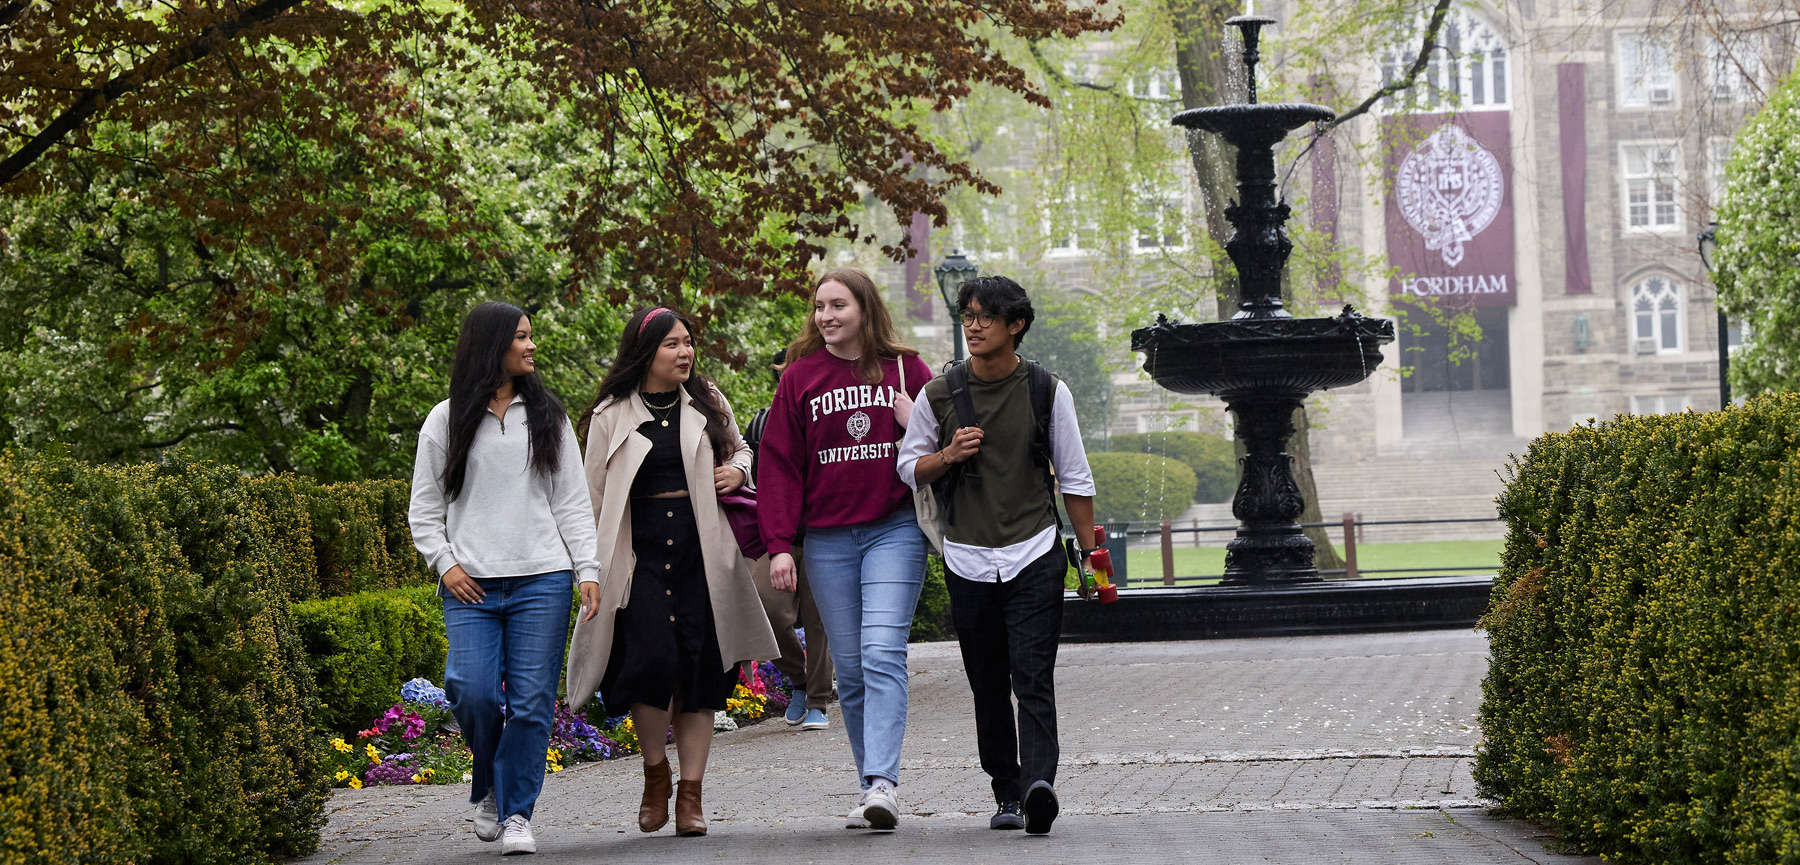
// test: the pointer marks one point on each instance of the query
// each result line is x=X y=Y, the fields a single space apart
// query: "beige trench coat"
x=615 y=452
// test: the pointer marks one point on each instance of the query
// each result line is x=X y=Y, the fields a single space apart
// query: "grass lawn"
x=1422 y=558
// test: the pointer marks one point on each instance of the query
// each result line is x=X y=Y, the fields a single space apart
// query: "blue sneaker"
x=796 y=711
x=815 y=720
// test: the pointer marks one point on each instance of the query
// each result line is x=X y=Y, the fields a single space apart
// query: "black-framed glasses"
x=986 y=319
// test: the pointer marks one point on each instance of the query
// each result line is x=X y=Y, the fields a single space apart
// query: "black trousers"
x=1008 y=633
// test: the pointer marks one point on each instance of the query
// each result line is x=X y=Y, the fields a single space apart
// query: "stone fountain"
x=1263 y=361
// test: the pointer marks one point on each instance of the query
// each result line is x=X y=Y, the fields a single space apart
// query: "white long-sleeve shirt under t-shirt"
x=509 y=521
x=1073 y=477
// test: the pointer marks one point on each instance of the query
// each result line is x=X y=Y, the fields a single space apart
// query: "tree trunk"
x=1204 y=70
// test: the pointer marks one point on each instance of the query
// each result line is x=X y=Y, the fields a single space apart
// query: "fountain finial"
x=1250 y=27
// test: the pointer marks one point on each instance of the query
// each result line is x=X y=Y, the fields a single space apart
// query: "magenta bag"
x=740 y=511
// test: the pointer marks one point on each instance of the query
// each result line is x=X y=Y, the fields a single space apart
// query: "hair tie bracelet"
x=647 y=317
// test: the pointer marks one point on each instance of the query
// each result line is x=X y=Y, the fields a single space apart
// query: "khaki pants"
x=809 y=667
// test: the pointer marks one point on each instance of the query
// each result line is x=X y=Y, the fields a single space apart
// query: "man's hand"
x=964 y=445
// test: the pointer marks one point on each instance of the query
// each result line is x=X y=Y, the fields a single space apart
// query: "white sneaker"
x=518 y=836
x=856 y=820
x=881 y=807
x=487 y=818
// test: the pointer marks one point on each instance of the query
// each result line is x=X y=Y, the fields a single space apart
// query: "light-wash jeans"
x=514 y=636
x=865 y=580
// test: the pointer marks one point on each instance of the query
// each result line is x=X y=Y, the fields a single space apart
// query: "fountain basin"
x=1279 y=354
x=1249 y=125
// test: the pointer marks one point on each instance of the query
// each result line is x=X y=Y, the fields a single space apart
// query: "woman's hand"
x=903 y=406
x=590 y=600
x=462 y=586
x=781 y=572
x=727 y=479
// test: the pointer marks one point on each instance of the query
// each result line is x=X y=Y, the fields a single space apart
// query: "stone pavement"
x=1349 y=749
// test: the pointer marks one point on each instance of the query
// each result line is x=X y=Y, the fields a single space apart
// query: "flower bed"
x=417 y=740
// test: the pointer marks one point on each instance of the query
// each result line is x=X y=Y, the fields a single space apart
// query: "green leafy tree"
x=1063 y=339
x=1758 y=269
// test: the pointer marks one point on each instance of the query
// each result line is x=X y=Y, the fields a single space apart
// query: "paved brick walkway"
x=1307 y=749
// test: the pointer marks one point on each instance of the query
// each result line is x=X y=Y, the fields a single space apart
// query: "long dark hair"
x=637 y=348
x=487 y=335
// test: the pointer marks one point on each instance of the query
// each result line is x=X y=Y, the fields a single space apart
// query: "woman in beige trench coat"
x=674 y=610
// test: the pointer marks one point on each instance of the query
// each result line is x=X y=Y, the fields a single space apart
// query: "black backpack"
x=1043 y=398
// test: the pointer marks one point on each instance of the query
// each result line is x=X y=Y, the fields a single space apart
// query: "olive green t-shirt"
x=1002 y=498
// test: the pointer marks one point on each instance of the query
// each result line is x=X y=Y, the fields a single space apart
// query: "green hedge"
x=365 y=646
x=169 y=713
x=1213 y=458
x=1644 y=688
x=931 y=618
x=1139 y=487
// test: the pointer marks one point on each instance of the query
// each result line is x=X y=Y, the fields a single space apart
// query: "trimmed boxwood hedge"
x=1213 y=458
x=164 y=708
x=1644 y=688
x=1140 y=487
x=365 y=646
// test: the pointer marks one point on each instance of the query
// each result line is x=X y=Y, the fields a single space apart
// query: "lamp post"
x=952 y=272
x=1709 y=246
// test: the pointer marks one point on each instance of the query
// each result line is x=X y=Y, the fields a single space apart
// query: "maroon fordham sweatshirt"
x=830 y=447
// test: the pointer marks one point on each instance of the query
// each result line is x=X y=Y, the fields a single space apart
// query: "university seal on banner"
x=1449 y=189
x=858 y=425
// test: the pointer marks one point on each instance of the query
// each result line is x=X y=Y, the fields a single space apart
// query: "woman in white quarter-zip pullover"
x=500 y=510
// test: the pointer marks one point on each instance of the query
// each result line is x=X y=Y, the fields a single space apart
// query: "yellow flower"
x=343 y=775
x=428 y=773
x=341 y=746
x=374 y=755
x=418 y=779
x=356 y=783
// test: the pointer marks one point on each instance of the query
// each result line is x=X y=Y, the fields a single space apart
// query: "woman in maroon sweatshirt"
x=828 y=468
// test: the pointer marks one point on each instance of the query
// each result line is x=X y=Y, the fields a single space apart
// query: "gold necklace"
x=665 y=410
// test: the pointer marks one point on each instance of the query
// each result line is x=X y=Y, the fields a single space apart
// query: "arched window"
x=1468 y=70
x=1656 y=316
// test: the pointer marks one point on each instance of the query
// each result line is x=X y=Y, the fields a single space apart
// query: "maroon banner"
x=1450 y=208
x=1572 y=148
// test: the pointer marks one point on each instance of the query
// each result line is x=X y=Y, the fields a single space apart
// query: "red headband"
x=647 y=317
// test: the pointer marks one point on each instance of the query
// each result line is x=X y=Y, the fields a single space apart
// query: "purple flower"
x=395 y=770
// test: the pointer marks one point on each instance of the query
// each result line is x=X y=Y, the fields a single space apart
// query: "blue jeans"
x=865 y=581
x=513 y=637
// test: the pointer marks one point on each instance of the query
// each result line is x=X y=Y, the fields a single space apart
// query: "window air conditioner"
x=1645 y=345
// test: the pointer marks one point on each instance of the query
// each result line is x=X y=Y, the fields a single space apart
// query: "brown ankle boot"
x=653 y=813
x=690 y=817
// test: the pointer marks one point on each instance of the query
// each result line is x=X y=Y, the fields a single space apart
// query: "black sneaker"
x=1040 y=808
x=1007 y=816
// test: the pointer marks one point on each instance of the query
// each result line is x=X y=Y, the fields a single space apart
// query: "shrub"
x=1213 y=458
x=171 y=711
x=70 y=753
x=365 y=646
x=931 y=618
x=187 y=595
x=1644 y=687
x=1139 y=487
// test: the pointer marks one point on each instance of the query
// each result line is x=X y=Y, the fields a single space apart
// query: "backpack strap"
x=956 y=378
x=1043 y=402
x=753 y=436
